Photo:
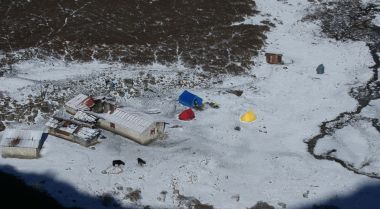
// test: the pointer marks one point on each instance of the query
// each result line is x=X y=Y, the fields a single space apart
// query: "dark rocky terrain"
x=198 y=33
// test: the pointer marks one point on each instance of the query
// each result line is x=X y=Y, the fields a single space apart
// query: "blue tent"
x=190 y=100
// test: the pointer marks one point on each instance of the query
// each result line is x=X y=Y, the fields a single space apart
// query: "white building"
x=22 y=143
x=139 y=127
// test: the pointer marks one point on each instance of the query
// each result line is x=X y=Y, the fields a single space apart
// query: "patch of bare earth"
x=197 y=33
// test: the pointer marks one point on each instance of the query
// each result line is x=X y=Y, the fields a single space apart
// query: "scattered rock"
x=176 y=126
x=237 y=128
x=281 y=204
x=30 y=118
x=236 y=197
x=106 y=199
x=119 y=187
x=128 y=82
x=163 y=195
x=236 y=92
x=306 y=194
x=45 y=108
x=190 y=202
x=262 y=205
x=10 y=117
x=134 y=196
x=129 y=189
x=213 y=105
x=2 y=126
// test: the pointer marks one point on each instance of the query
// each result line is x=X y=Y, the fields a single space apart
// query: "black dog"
x=141 y=162
x=117 y=163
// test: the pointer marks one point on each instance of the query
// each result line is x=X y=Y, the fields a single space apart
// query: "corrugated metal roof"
x=82 y=116
x=136 y=121
x=87 y=133
x=77 y=102
x=21 y=138
x=71 y=128
x=52 y=123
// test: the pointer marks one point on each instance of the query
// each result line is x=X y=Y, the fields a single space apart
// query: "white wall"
x=19 y=152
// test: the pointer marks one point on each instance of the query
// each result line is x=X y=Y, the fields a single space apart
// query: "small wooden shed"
x=273 y=58
x=22 y=143
x=136 y=126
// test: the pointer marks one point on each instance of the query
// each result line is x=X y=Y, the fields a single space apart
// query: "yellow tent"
x=248 y=117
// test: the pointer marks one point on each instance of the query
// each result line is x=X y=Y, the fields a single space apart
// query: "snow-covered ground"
x=376 y=21
x=207 y=158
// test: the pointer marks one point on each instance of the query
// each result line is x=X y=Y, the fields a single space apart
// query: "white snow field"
x=206 y=158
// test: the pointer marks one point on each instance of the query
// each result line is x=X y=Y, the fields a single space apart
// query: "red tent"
x=187 y=115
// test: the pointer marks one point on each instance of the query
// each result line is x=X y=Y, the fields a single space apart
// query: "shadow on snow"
x=15 y=194
x=365 y=197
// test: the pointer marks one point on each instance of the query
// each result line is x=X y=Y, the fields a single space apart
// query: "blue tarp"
x=189 y=100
